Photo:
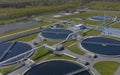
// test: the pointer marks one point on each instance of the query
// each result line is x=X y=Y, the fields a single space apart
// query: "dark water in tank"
x=57 y=67
x=100 y=45
x=56 y=33
x=15 y=50
x=101 y=18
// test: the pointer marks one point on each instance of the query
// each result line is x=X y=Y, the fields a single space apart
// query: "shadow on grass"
x=43 y=55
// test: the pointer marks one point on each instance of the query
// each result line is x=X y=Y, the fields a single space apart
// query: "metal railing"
x=25 y=53
x=6 y=51
x=77 y=71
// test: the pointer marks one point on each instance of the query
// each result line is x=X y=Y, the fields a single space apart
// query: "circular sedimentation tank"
x=12 y=49
x=102 y=46
x=58 y=67
x=55 y=33
x=101 y=18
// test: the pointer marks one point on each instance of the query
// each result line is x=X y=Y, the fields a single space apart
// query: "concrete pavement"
x=92 y=61
x=117 y=72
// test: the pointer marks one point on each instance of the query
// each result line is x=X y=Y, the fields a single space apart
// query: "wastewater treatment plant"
x=60 y=37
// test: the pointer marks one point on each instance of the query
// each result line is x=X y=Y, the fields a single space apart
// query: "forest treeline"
x=34 y=3
x=19 y=8
x=27 y=3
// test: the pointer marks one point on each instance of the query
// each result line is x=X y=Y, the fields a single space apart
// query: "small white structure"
x=37 y=19
x=65 y=14
x=29 y=62
x=79 y=26
x=76 y=12
x=57 y=16
x=92 y=55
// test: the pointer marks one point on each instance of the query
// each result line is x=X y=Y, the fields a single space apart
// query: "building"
x=80 y=26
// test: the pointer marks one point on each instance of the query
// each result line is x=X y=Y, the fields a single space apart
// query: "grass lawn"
x=4 y=71
x=19 y=30
x=92 y=33
x=41 y=54
x=69 y=42
x=83 y=15
x=106 y=67
x=89 y=22
x=116 y=25
x=48 y=42
x=44 y=24
x=2 y=22
x=60 y=57
x=47 y=55
x=27 y=38
x=76 y=50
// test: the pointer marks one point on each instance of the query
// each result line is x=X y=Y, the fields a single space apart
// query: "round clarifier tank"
x=55 y=33
x=101 y=18
x=58 y=67
x=102 y=46
x=12 y=49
